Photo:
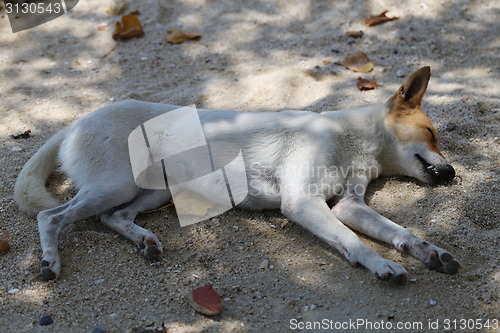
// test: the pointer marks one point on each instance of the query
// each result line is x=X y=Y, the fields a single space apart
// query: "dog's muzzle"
x=436 y=174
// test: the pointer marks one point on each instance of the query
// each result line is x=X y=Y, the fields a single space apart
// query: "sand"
x=257 y=55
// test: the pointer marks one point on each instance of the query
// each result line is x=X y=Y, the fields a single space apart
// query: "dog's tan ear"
x=411 y=92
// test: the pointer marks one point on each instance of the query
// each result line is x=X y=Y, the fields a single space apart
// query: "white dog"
x=395 y=138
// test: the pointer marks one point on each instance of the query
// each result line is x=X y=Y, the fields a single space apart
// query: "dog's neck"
x=375 y=140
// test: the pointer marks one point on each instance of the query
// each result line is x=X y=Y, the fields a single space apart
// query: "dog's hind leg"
x=89 y=201
x=121 y=219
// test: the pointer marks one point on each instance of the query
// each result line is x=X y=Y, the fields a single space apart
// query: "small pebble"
x=45 y=320
x=264 y=264
x=113 y=315
x=432 y=302
x=450 y=126
x=16 y=148
x=99 y=329
x=99 y=281
x=400 y=73
x=13 y=291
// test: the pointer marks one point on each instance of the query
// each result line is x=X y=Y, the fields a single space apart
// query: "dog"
x=389 y=139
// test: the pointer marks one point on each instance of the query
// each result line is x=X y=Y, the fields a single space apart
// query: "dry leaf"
x=364 y=84
x=357 y=62
x=354 y=34
x=326 y=62
x=178 y=37
x=130 y=26
x=4 y=242
x=101 y=27
x=118 y=8
x=26 y=134
x=379 y=19
x=205 y=300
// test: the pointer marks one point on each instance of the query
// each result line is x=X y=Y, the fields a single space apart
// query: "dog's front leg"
x=313 y=214
x=352 y=211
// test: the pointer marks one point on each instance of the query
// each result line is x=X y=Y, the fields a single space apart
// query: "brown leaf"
x=205 y=300
x=118 y=8
x=101 y=27
x=354 y=34
x=4 y=242
x=364 y=84
x=326 y=62
x=130 y=26
x=357 y=62
x=24 y=135
x=379 y=19
x=178 y=37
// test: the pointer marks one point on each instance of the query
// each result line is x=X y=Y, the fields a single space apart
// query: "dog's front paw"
x=389 y=271
x=442 y=262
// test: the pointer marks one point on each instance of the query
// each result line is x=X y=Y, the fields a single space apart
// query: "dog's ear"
x=409 y=95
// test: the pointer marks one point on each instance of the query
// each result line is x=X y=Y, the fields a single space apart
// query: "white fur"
x=283 y=152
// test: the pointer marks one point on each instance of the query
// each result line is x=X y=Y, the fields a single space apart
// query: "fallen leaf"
x=24 y=135
x=364 y=84
x=205 y=300
x=130 y=26
x=101 y=27
x=379 y=19
x=326 y=62
x=118 y=8
x=357 y=62
x=4 y=242
x=178 y=37
x=354 y=34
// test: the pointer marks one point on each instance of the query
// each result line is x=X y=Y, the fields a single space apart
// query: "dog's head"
x=413 y=134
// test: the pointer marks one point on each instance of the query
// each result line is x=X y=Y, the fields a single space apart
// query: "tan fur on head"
x=406 y=118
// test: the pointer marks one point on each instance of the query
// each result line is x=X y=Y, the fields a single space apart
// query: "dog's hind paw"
x=443 y=263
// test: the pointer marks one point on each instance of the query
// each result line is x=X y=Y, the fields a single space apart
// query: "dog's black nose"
x=447 y=173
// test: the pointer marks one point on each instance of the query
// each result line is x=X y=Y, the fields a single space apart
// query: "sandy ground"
x=257 y=55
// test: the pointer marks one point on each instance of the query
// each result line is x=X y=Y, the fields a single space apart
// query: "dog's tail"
x=30 y=193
